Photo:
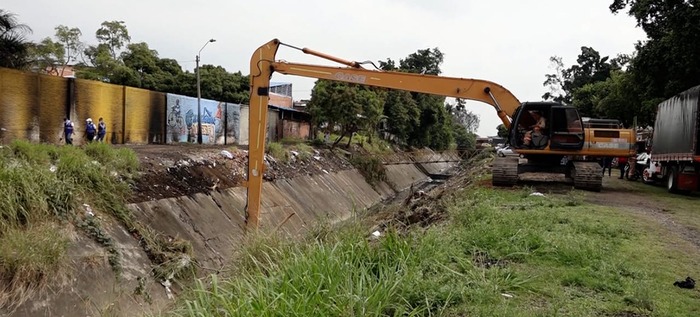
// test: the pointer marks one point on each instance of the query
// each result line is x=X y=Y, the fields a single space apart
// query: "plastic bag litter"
x=227 y=154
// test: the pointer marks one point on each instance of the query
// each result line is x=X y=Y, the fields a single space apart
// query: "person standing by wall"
x=101 y=130
x=90 y=130
x=68 y=131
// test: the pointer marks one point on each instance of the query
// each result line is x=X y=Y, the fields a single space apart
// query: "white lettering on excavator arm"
x=360 y=79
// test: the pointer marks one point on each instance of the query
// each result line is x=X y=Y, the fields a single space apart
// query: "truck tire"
x=672 y=180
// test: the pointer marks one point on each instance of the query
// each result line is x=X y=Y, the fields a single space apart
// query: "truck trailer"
x=675 y=143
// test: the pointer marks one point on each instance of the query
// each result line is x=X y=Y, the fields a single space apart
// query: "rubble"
x=180 y=170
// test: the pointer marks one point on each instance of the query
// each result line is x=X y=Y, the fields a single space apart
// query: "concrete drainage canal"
x=212 y=223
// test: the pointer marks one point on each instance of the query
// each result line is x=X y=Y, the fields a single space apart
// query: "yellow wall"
x=17 y=105
x=145 y=113
x=94 y=99
x=32 y=107
x=52 y=95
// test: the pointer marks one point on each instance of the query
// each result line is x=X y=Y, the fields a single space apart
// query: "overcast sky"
x=505 y=41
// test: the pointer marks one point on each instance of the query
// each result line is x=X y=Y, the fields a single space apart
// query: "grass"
x=501 y=253
x=378 y=146
x=277 y=151
x=45 y=187
x=370 y=167
x=30 y=258
x=282 y=151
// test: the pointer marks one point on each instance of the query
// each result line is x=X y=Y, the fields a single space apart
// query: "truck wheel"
x=671 y=179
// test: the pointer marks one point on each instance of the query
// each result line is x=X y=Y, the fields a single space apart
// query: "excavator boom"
x=263 y=65
x=465 y=88
x=568 y=137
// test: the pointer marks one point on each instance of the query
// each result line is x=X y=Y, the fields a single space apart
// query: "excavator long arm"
x=263 y=65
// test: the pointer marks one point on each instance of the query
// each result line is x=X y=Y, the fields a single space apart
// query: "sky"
x=505 y=41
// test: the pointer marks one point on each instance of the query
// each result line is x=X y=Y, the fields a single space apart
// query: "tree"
x=502 y=130
x=52 y=56
x=219 y=84
x=114 y=35
x=424 y=121
x=47 y=55
x=590 y=68
x=555 y=81
x=425 y=61
x=14 y=46
x=669 y=61
x=402 y=114
x=103 y=61
x=464 y=139
x=70 y=39
x=351 y=107
x=464 y=125
x=467 y=119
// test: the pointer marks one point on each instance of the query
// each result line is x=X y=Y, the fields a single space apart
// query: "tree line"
x=630 y=86
x=113 y=58
x=411 y=119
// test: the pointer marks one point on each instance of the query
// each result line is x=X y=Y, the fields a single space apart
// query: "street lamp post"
x=199 y=95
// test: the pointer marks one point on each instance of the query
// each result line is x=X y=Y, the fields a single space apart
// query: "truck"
x=675 y=143
x=549 y=137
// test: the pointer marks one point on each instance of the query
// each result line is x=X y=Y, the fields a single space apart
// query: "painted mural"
x=220 y=121
x=231 y=118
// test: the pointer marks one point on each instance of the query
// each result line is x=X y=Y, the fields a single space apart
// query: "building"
x=67 y=71
x=281 y=94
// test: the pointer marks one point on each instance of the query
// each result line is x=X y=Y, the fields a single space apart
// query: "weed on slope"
x=499 y=253
x=48 y=191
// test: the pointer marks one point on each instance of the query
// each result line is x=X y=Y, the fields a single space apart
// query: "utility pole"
x=199 y=95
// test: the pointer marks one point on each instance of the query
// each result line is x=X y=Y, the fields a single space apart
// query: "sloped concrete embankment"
x=214 y=224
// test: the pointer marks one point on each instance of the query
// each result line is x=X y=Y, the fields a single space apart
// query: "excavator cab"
x=563 y=128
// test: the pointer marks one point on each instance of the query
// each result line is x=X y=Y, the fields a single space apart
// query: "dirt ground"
x=177 y=170
x=674 y=212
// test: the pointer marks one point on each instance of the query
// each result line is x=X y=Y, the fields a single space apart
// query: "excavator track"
x=587 y=176
x=505 y=171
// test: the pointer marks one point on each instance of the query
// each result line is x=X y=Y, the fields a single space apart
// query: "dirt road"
x=679 y=215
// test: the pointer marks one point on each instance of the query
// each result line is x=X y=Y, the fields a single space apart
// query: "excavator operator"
x=536 y=129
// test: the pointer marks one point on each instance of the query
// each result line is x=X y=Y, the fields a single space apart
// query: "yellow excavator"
x=561 y=145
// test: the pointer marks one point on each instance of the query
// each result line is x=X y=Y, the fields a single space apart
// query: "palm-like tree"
x=14 y=46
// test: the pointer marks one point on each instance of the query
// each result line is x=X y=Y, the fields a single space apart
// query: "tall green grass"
x=352 y=277
x=39 y=181
x=501 y=253
x=44 y=187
